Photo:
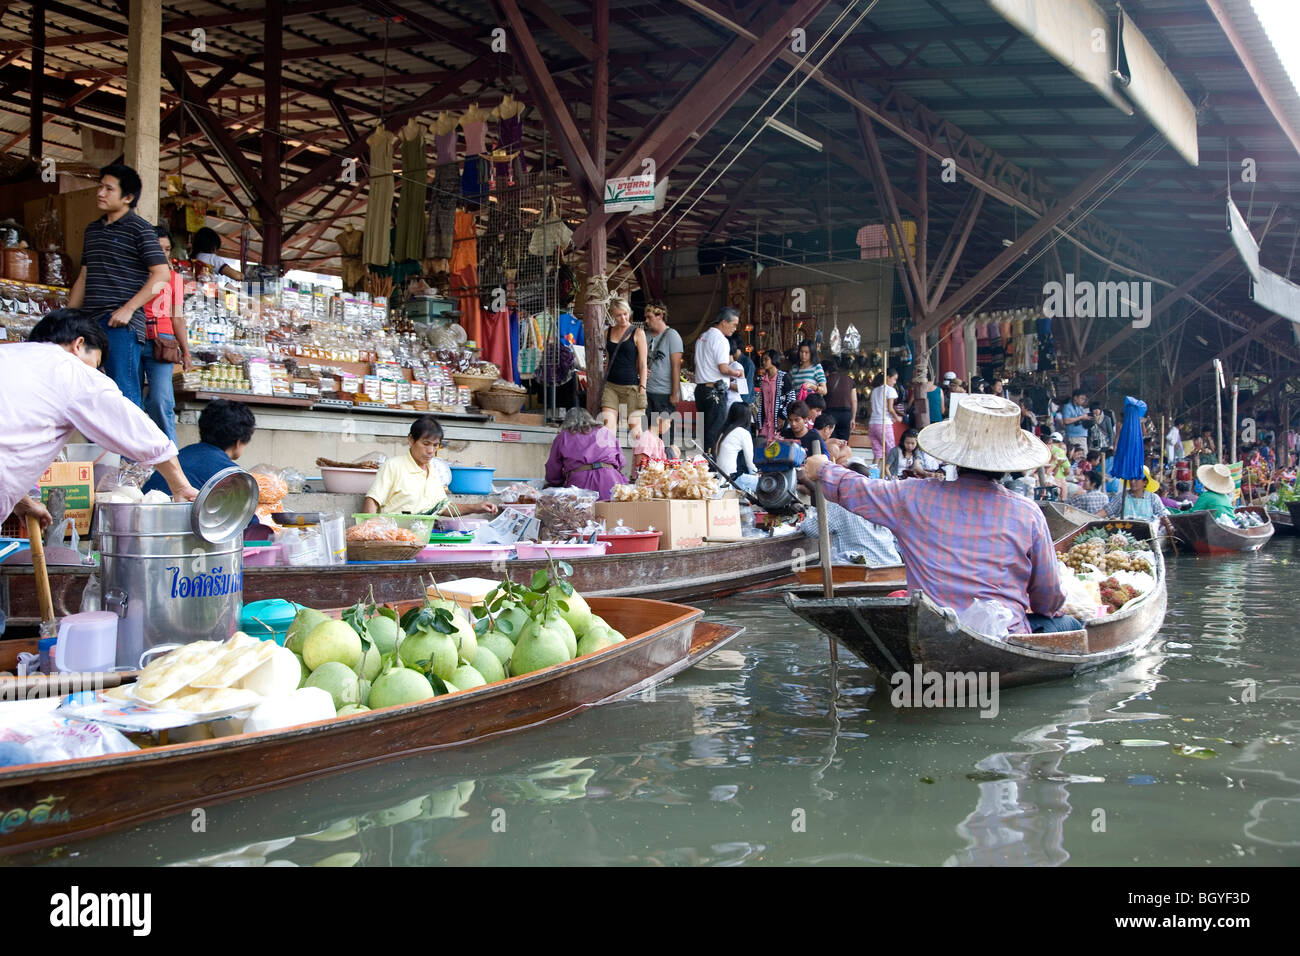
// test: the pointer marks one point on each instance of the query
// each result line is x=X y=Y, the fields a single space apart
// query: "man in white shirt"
x=713 y=373
x=51 y=388
x=1173 y=444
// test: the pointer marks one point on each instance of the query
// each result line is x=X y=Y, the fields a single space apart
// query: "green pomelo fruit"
x=466 y=677
x=382 y=633
x=488 y=664
x=518 y=617
x=498 y=644
x=339 y=681
x=306 y=671
x=370 y=663
x=304 y=622
x=432 y=646
x=363 y=691
x=399 y=686
x=578 y=616
x=553 y=620
x=595 y=639
x=332 y=641
x=348 y=709
x=543 y=645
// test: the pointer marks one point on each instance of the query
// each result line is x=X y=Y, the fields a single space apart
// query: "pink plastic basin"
x=262 y=557
x=632 y=543
x=443 y=553
x=529 y=551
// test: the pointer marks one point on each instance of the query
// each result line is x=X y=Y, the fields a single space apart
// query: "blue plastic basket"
x=471 y=481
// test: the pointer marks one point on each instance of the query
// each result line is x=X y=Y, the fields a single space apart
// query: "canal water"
x=1187 y=756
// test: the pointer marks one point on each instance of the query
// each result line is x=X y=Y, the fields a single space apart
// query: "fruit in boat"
x=332 y=641
x=304 y=622
x=433 y=646
x=339 y=681
x=381 y=631
x=488 y=664
x=543 y=644
x=466 y=677
x=306 y=671
x=400 y=685
x=518 y=617
x=282 y=673
x=578 y=616
x=348 y=709
x=498 y=644
x=596 y=638
x=552 y=619
x=363 y=691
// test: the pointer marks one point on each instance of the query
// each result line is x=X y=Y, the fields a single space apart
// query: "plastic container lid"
x=224 y=505
x=275 y=613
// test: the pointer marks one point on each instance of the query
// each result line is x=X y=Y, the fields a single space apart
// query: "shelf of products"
x=23 y=303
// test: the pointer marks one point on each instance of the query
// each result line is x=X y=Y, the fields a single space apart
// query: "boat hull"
x=91 y=796
x=899 y=634
x=1199 y=531
x=710 y=571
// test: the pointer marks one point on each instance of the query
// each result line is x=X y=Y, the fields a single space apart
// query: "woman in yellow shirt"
x=408 y=484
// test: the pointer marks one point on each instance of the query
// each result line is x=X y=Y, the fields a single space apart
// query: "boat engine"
x=778 y=478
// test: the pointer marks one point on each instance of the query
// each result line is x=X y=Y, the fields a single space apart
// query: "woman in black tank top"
x=626 y=372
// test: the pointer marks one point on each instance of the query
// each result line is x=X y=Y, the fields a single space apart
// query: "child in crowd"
x=1059 y=466
x=800 y=429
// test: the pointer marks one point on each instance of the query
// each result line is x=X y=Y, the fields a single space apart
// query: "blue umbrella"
x=1130 y=456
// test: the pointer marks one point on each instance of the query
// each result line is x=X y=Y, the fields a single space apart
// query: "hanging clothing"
x=464 y=275
x=354 y=270
x=409 y=242
x=475 y=138
x=514 y=347
x=444 y=145
x=442 y=212
x=496 y=340
x=474 y=182
x=511 y=133
x=969 y=359
x=945 y=347
x=379 y=203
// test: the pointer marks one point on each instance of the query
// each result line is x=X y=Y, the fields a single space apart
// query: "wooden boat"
x=710 y=571
x=1198 y=530
x=1062 y=519
x=900 y=634
x=52 y=803
x=1285 y=521
x=847 y=575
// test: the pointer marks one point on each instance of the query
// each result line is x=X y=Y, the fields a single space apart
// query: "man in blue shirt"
x=225 y=429
x=1076 y=416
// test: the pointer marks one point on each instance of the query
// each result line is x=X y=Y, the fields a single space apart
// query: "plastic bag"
x=990 y=618
x=562 y=510
x=130 y=475
x=303 y=547
x=336 y=544
x=48 y=737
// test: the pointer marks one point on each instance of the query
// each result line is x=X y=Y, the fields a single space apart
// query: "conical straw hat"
x=984 y=433
x=1217 y=478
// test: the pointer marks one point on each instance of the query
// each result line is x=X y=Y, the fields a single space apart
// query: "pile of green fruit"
x=371 y=659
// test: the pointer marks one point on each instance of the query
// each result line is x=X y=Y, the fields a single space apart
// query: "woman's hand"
x=488 y=508
x=186 y=492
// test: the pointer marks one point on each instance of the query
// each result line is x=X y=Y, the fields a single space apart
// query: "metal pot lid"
x=224 y=505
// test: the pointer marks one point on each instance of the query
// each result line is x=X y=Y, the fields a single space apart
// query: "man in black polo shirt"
x=122 y=268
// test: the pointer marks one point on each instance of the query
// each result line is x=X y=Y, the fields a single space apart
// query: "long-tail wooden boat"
x=1063 y=519
x=713 y=570
x=1286 y=521
x=900 y=634
x=53 y=803
x=1199 y=531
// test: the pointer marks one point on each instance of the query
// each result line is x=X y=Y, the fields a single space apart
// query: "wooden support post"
x=1233 y=456
x=272 y=212
x=37 y=146
x=593 y=322
x=143 y=94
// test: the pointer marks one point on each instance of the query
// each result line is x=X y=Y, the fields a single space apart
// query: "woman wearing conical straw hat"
x=971 y=539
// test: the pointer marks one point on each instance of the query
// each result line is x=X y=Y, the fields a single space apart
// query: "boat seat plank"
x=1060 y=642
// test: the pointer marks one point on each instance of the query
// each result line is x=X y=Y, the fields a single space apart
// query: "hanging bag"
x=550 y=234
x=529 y=352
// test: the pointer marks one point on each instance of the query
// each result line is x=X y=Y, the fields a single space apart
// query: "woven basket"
x=381 y=551
x=475 y=383
x=507 y=403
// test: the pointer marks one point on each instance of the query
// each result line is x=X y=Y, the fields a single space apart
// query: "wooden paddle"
x=43 y=595
x=824 y=548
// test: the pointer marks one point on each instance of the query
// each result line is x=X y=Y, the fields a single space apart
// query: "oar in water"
x=828 y=576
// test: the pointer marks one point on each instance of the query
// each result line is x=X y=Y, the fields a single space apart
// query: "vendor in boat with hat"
x=1139 y=501
x=971 y=539
x=1219 y=489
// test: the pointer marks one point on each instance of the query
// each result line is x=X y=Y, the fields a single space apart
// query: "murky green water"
x=749 y=759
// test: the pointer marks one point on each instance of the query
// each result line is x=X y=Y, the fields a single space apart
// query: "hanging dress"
x=464 y=276
x=379 y=203
x=511 y=130
x=971 y=351
x=474 y=177
x=409 y=242
x=444 y=194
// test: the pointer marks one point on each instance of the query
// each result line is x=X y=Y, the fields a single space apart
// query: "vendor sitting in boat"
x=971 y=539
x=225 y=429
x=585 y=455
x=1140 y=501
x=1219 y=488
x=415 y=483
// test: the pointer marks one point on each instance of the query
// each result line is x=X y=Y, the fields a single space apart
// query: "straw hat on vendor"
x=1216 y=478
x=984 y=434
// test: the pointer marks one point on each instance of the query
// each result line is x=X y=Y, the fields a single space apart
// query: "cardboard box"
x=723 y=518
x=78 y=479
x=683 y=523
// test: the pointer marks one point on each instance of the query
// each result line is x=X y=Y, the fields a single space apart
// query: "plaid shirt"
x=852 y=535
x=1092 y=502
x=962 y=541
